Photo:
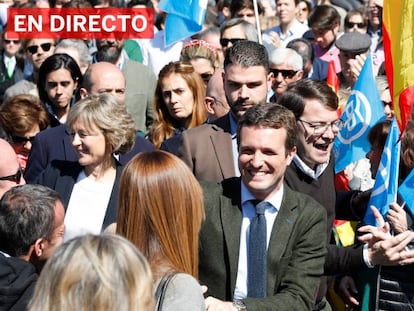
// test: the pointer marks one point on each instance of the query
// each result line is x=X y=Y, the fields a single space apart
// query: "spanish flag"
x=398 y=35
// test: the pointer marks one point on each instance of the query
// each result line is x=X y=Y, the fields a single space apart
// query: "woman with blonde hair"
x=100 y=128
x=160 y=211
x=202 y=56
x=178 y=102
x=95 y=272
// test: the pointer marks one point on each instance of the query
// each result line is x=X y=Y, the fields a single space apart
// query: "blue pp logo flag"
x=386 y=180
x=406 y=191
x=362 y=111
x=185 y=18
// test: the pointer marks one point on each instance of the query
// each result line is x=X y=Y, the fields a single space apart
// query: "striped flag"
x=398 y=34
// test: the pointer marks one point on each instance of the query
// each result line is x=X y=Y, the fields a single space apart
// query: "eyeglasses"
x=285 y=73
x=34 y=48
x=15 y=177
x=319 y=127
x=352 y=25
x=21 y=139
x=225 y=42
x=386 y=103
x=7 y=41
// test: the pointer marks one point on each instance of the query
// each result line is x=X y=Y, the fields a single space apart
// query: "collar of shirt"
x=122 y=60
x=7 y=59
x=235 y=149
x=5 y=254
x=320 y=168
x=246 y=196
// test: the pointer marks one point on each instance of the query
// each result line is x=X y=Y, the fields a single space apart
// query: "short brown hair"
x=270 y=116
x=21 y=112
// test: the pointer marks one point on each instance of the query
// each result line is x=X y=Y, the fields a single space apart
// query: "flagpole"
x=256 y=13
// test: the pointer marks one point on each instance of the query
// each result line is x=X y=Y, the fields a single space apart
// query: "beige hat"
x=379 y=3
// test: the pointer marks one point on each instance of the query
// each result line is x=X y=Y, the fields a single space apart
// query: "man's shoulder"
x=18 y=278
x=219 y=125
x=301 y=200
x=141 y=69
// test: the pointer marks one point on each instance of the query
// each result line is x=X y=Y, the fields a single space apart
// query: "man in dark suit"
x=312 y=172
x=11 y=64
x=56 y=143
x=210 y=149
x=294 y=224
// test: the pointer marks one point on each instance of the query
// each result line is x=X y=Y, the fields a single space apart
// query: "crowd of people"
x=199 y=175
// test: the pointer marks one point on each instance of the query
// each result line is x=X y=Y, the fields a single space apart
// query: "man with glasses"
x=287 y=67
x=311 y=172
x=11 y=67
x=234 y=30
x=37 y=50
x=10 y=171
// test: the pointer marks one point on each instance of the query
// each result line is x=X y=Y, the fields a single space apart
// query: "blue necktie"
x=257 y=258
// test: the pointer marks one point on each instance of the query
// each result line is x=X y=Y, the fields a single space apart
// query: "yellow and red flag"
x=398 y=34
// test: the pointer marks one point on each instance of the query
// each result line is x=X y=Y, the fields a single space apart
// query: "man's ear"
x=83 y=93
x=38 y=247
x=209 y=103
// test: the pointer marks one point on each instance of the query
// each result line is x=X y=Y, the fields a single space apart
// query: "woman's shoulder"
x=183 y=293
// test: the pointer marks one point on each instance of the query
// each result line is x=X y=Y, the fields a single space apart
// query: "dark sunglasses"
x=7 y=41
x=351 y=25
x=15 y=178
x=21 y=139
x=225 y=42
x=44 y=46
x=285 y=73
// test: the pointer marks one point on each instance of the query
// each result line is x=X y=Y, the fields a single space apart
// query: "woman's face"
x=22 y=142
x=303 y=12
x=89 y=143
x=204 y=68
x=177 y=96
x=60 y=88
x=356 y=23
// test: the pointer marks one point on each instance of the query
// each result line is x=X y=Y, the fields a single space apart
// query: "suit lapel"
x=69 y=151
x=223 y=149
x=282 y=229
x=231 y=217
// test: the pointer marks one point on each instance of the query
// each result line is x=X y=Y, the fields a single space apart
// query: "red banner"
x=80 y=23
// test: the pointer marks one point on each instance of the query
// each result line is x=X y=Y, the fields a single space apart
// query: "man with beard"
x=140 y=81
x=210 y=150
